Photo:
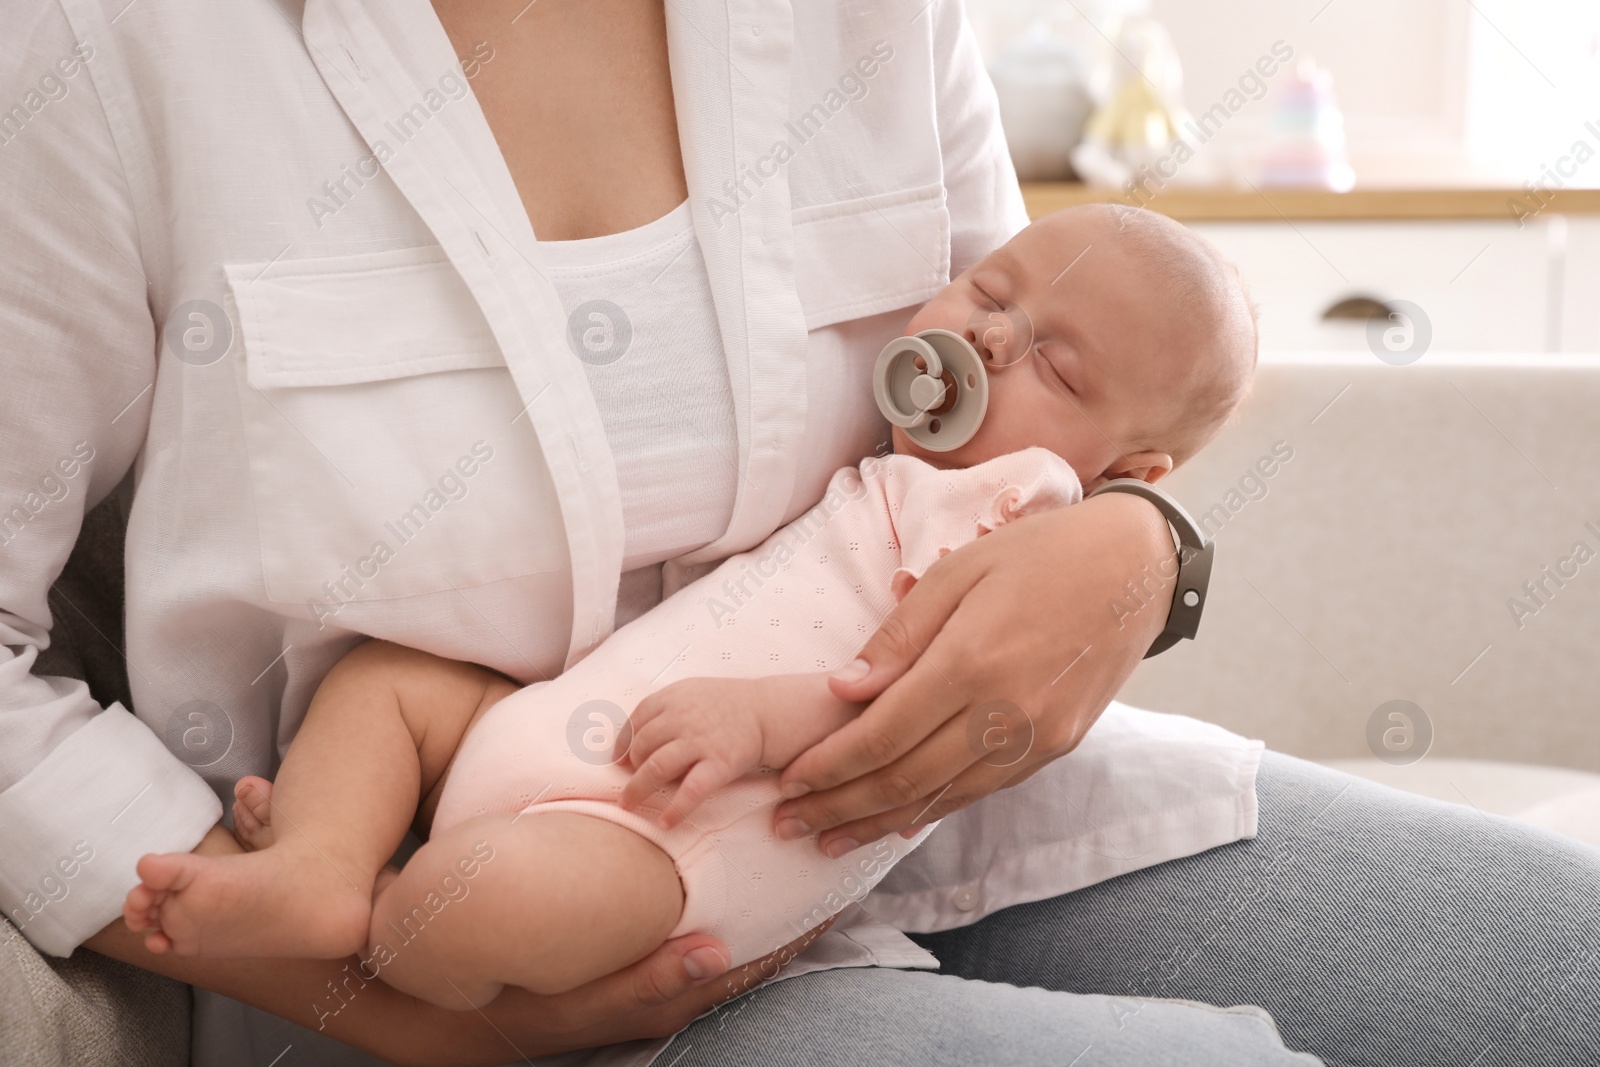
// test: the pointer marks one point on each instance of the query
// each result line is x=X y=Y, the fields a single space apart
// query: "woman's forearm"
x=329 y=996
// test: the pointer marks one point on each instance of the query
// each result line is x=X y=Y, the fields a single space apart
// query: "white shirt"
x=640 y=319
x=288 y=285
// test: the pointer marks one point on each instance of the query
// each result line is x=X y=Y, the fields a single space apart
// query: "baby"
x=572 y=826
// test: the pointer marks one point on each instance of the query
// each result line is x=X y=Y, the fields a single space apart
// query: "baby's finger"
x=650 y=737
x=704 y=779
x=650 y=707
x=645 y=711
x=664 y=767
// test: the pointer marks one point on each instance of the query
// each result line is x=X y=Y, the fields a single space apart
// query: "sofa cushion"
x=87 y=1011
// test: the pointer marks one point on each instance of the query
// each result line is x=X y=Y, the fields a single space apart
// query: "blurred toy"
x=1139 y=125
x=1308 y=142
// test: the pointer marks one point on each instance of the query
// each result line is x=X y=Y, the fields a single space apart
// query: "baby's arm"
x=712 y=731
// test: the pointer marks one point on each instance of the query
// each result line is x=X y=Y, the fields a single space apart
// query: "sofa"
x=1429 y=550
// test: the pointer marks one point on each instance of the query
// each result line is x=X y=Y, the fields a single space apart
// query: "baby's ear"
x=1146 y=466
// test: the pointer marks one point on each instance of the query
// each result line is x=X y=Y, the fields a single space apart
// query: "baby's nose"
x=1001 y=338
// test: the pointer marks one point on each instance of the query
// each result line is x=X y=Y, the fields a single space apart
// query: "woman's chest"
x=580 y=104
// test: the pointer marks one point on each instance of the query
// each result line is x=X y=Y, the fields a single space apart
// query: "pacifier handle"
x=939 y=404
x=925 y=390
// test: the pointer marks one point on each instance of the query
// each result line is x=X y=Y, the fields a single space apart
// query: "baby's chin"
x=968 y=455
x=905 y=446
x=971 y=454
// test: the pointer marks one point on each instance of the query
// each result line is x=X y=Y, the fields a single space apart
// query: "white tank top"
x=640 y=317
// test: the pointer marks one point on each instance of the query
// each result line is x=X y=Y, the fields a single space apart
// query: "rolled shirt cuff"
x=72 y=830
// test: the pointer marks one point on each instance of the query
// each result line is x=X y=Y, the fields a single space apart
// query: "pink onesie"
x=805 y=600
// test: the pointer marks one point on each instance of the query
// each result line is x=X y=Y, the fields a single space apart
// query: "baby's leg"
x=381 y=729
x=546 y=901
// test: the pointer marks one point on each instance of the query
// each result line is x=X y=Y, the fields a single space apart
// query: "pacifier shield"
x=934 y=387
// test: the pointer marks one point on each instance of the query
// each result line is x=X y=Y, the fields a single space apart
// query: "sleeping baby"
x=574 y=825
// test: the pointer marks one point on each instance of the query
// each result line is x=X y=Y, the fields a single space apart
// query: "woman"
x=390 y=447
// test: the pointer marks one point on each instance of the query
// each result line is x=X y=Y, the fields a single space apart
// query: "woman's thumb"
x=671 y=971
x=704 y=963
x=905 y=632
x=885 y=657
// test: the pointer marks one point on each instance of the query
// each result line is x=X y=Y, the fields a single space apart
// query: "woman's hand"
x=657 y=996
x=997 y=662
x=653 y=998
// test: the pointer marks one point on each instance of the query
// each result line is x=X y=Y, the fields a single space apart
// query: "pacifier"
x=933 y=386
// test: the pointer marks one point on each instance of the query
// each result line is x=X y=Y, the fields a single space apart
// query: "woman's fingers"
x=974 y=783
x=916 y=706
x=905 y=786
x=907 y=631
x=657 y=996
x=752 y=974
x=674 y=969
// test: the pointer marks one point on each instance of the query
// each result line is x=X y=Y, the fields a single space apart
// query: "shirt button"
x=965 y=898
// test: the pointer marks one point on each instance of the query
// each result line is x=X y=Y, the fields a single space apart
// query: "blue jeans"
x=1377 y=928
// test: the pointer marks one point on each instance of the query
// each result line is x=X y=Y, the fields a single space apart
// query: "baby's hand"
x=706 y=731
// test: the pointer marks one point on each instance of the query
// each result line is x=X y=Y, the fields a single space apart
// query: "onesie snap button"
x=965 y=898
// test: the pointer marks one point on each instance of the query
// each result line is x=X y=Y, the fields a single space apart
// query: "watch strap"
x=1195 y=556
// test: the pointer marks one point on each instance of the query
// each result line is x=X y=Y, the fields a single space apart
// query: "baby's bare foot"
x=279 y=902
x=252 y=813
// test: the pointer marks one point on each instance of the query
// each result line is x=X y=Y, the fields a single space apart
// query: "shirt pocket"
x=860 y=257
x=390 y=453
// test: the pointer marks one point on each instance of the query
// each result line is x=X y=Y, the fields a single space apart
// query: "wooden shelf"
x=1193 y=204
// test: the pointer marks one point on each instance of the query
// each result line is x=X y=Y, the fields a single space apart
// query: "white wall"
x=1399 y=70
x=1434 y=91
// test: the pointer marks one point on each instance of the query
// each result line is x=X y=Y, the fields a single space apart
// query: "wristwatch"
x=1195 y=554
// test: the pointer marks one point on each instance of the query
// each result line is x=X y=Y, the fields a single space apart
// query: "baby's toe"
x=252 y=812
x=141 y=909
x=256 y=793
x=161 y=872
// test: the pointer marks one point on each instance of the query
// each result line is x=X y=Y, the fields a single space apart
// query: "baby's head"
x=1116 y=338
